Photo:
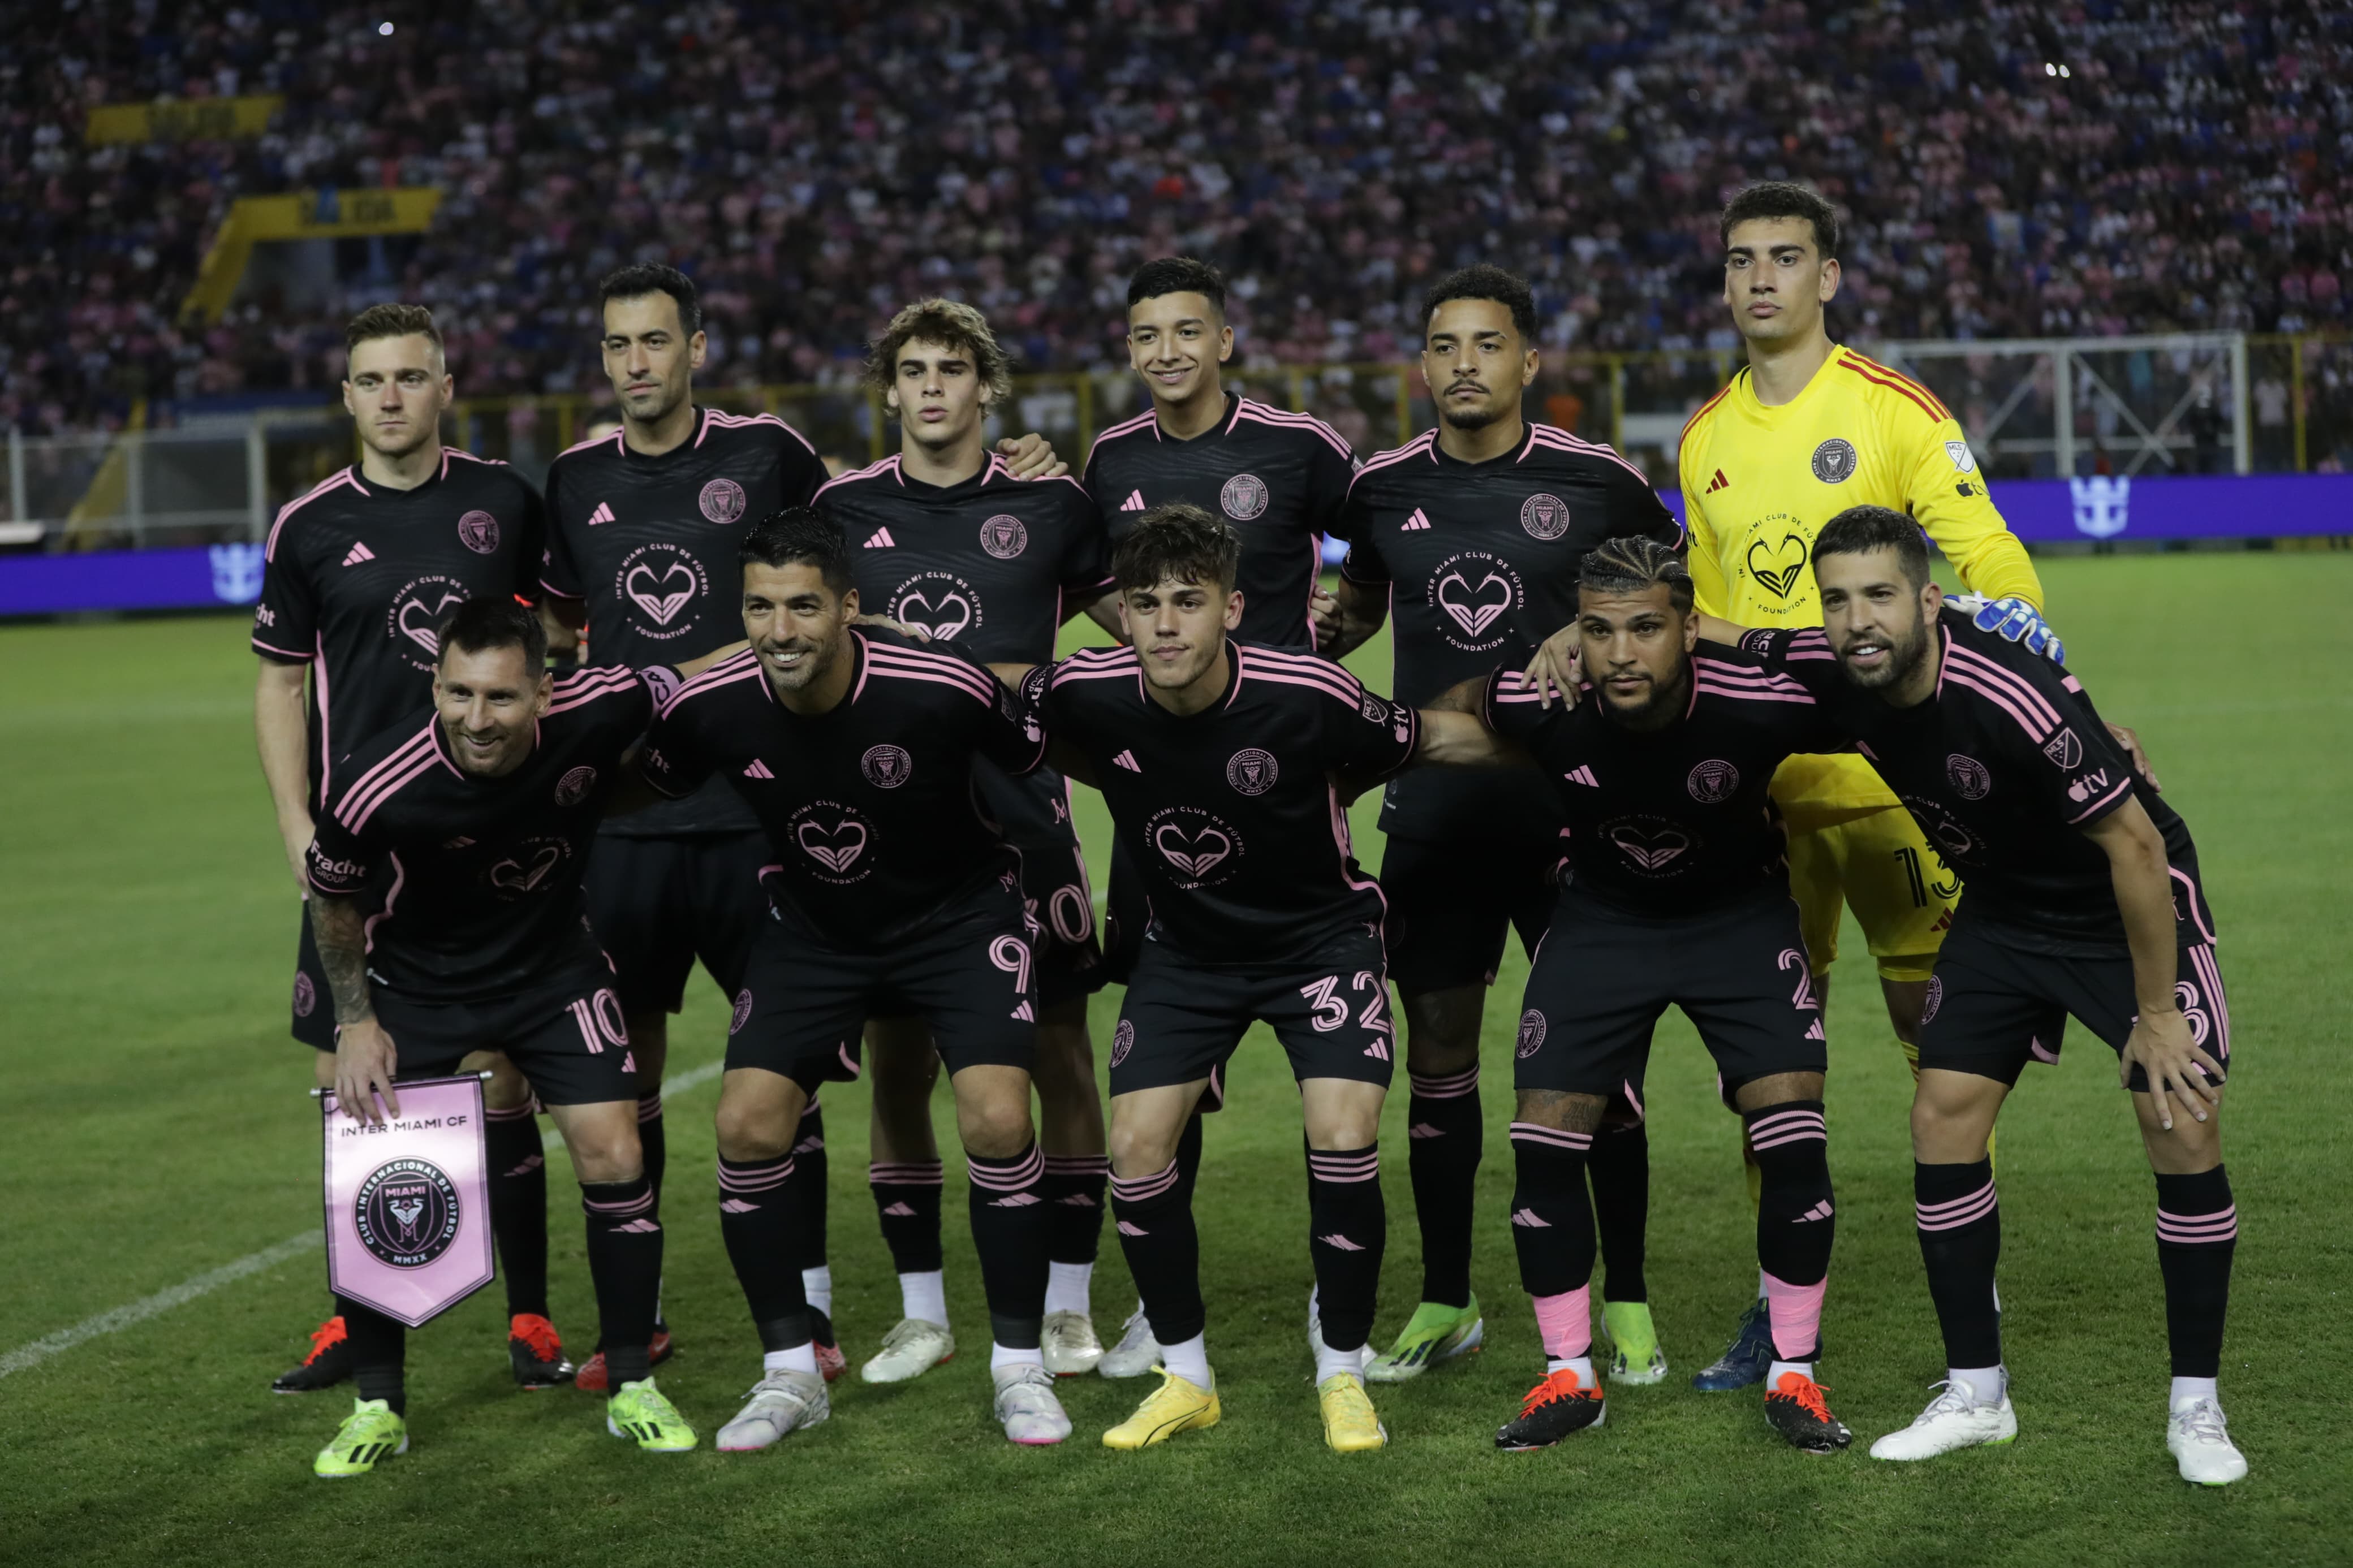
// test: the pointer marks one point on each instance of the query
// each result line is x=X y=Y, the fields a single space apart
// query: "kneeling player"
x=889 y=894
x=1679 y=895
x=2084 y=900
x=1217 y=759
x=485 y=813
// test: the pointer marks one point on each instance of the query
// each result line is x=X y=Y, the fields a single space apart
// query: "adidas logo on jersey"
x=1135 y=501
x=604 y=513
x=1814 y=1030
x=880 y=540
x=1718 y=483
x=359 y=552
x=1418 y=520
x=1583 y=776
x=1024 y=1014
x=1127 y=759
x=758 y=770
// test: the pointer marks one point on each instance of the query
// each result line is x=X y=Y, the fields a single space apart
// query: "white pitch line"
x=205 y=1284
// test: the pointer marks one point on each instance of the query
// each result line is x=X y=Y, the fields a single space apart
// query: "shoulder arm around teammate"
x=1363 y=593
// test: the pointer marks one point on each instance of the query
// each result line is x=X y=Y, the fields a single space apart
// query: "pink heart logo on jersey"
x=420 y=621
x=517 y=877
x=1649 y=850
x=656 y=599
x=1193 y=854
x=943 y=620
x=836 y=848
x=1470 y=607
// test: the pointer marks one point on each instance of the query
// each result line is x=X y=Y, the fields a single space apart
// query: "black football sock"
x=1074 y=1199
x=1620 y=1165
x=759 y=1219
x=379 y=1346
x=1445 y=1138
x=1154 y=1220
x=517 y=1166
x=1795 y=1223
x=907 y=1201
x=2197 y=1231
x=1008 y=1231
x=1552 y=1223
x=1188 y=1157
x=809 y=1174
x=625 y=1259
x=653 y=1139
x=1959 y=1217
x=1348 y=1231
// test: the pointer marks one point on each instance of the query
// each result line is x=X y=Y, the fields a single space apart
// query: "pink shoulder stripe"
x=1066 y=673
x=1961 y=675
x=944 y=667
x=586 y=686
x=2020 y=688
x=340 y=477
x=1714 y=688
x=744 y=421
x=872 y=470
x=1261 y=413
x=385 y=776
x=931 y=676
x=1125 y=428
x=1419 y=447
x=1562 y=441
x=1086 y=656
x=616 y=437
x=733 y=668
x=472 y=457
x=1308 y=664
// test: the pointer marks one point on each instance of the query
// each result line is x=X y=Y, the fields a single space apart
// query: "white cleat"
x=1069 y=1343
x=780 y=1403
x=2200 y=1444
x=1136 y=1353
x=1953 y=1420
x=909 y=1350
x=1026 y=1405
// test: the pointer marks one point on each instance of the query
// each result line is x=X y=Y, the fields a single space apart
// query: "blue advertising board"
x=208 y=576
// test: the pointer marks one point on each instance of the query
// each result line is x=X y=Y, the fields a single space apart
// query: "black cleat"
x=1559 y=1406
x=1797 y=1410
x=536 y=1351
x=328 y=1362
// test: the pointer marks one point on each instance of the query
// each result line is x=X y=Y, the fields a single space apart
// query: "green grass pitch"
x=156 y=1129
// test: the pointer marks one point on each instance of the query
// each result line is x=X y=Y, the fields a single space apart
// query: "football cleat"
x=780 y=1403
x=592 y=1378
x=1136 y=1353
x=909 y=1350
x=1351 y=1426
x=370 y=1433
x=2200 y=1444
x=829 y=1359
x=1177 y=1405
x=1069 y=1342
x=643 y=1412
x=1025 y=1406
x=1559 y=1406
x=328 y=1362
x=1953 y=1420
x=1746 y=1359
x=536 y=1351
x=1636 y=1355
x=1795 y=1408
x=1435 y=1332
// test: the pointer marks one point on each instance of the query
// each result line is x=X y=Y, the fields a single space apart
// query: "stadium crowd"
x=2031 y=170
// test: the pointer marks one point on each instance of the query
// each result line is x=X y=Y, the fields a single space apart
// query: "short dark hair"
x=799 y=536
x=951 y=324
x=640 y=279
x=1178 y=540
x=1783 y=198
x=1632 y=564
x=391 y=321
x=1508 y=289
x=479 y=625
x=1178 y=275
x=1860 y=529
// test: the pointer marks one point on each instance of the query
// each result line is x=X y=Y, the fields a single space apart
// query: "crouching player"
x=481 y=816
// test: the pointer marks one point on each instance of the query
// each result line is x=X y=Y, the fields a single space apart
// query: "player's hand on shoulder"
x=1555 y=668
x=2013 y=620
x=364 y=1061
x=1324 y=613
x=1032 y=457
x=2131 y=744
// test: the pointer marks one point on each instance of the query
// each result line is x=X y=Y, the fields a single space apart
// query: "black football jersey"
x=1231 y=815
x=1278 y=477
x=2003 y=768
x=1480 y=561
x=868 y=808
x=357 y=576
x=650 y=543
x=1677 y=820
x=481 y=875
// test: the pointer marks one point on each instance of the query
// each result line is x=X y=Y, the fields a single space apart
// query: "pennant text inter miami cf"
x=409 y=1203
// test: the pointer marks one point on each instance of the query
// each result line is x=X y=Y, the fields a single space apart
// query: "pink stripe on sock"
x=1797 y=1312
x=1566 y=1322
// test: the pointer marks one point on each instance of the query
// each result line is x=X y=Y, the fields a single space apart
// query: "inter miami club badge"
x=1244 y=497
x=408 y=1201
x=480 y=532
x=722 y=500
x=1834 y=460
x=1544 y=516
x=407 y=1213
x=1003 y=536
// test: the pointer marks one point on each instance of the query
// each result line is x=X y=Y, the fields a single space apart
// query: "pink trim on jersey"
x=888 y=465
x=1347 y=849
x=336 y=480
x=1149 y=417
x=702 y=427
x=2218 y=1004
x=1425 y=443
x=619 y=438
x=391 y=897
x=1262 y=664
x=584 y=687
x=1560 y=441
x=940 y=670
x=2196 y=914
x=547 y=587
x=282 y=652
x=319 y=686
x=2124 y=786
x=1261 y=413
x=1736 y=681
x=449 y=452
x=411 y=757
x=1998 y=696
x=2021 y=689
x=734 y=667
x=746 y=421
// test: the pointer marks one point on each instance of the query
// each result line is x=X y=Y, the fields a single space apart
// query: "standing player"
x=888 y=891
x=2083 y=898
x=1217 y=759
x=359 y=572
x=1681 y=897
x=483 y=814
x=950 y=542
x=1471 y=535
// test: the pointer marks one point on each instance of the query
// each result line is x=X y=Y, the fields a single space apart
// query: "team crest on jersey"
x=1200 y=847
x=940 y=603
x=1778 y=567
x=414 y=620
x=1544 y=516
x=1969 y=777
x=1471 y=591
x=835 y=838
x=1532 y=1033
x=479 y=532
x=574 y=786
x=306 y=995
x=662 y=582
x=407 y=1213
x=1244 y=497
x=722 y=500
x=2065 y=749
x=743 y=1014
x=531 y=863
x=1003 y=536
x=1251 y=771
x=1834 y=460
x=886 y=767
x=1122 y=1040
x=1713 y=781
x=1649 y=844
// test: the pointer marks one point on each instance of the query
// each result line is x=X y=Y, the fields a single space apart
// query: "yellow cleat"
x=1177 y=1405
x=1350 y=1423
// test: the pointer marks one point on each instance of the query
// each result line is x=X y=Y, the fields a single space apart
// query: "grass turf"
x=156 y=1129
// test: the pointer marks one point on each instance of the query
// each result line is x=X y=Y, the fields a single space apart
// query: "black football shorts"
x=1034 y=814
x=1180 y=1020
x=1451 y=906
x=659 y=904
x=564 y=1033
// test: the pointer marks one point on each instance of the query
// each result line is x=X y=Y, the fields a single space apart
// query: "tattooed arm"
x=363 y=1052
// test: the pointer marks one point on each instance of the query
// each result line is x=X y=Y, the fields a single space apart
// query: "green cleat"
x=1639 y=1358
x=643 y=1412
x=370 y=1433
x=1435 y=1332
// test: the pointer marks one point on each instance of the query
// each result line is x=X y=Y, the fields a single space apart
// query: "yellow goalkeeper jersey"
x=1758 y=483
